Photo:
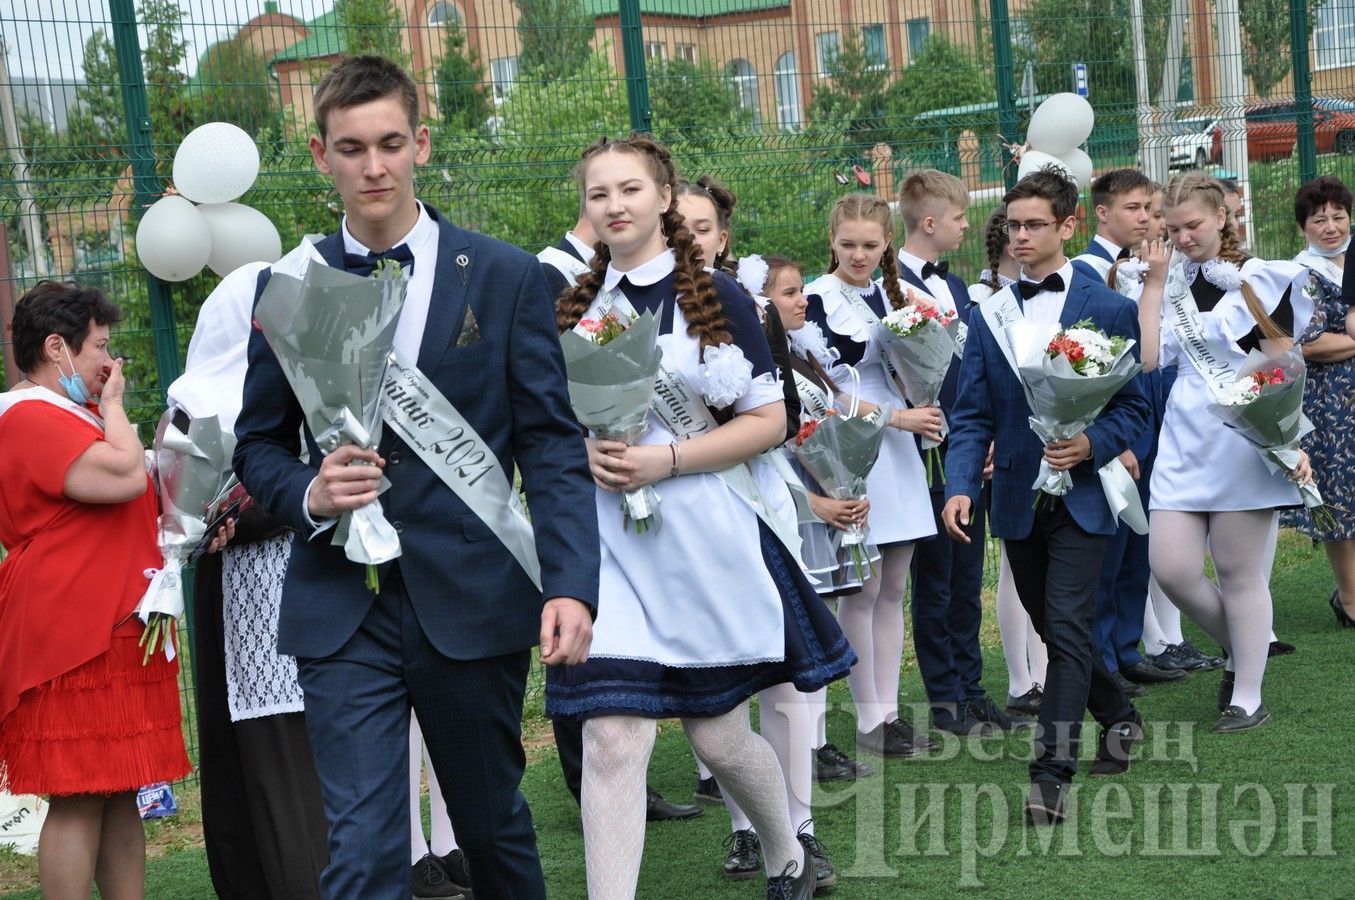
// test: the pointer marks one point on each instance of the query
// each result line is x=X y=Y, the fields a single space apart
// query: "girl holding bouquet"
x=1211 y=489
x=670 y=640
x=845 y=304
x=85 y=717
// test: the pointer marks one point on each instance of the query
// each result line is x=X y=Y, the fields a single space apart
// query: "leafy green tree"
x=372 y=27
x=460 y=83
x=95 y=125
x=1265 y=41
x=555 y=37
x=853 y=94
x=233 y=85
x=944 y=75
x=695 y=102
x=162 y=59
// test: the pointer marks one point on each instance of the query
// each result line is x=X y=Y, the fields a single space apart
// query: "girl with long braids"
x=1211 y=491
x=707 y=609
x=845 y=304
x=1022 y=648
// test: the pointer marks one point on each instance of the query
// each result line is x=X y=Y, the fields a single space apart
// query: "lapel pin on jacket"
x=463 y=263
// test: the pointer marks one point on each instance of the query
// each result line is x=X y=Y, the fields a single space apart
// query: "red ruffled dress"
x=79 y=713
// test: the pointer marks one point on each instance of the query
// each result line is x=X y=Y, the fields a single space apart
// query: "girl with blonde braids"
x=845 y=303
x=701 y=613
x=1211 y=491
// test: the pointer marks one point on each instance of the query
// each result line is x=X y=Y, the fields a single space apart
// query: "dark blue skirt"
x=817 y=653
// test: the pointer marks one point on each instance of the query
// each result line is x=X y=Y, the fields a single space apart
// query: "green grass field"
x=1267 y=813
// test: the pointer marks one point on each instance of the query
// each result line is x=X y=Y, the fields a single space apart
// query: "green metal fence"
x=790 y=102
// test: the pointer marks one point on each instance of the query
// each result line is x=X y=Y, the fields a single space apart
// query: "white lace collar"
x=646 y=273
x=1223 y=275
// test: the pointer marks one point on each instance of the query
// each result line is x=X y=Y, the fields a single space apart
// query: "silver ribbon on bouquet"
x=1063 y=403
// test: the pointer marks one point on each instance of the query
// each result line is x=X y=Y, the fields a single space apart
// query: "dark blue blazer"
x=1094 y=248
x=992 y=407
x=949 y=387
x=471 y=597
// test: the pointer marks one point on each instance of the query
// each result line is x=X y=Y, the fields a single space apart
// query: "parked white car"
x=1193 y=143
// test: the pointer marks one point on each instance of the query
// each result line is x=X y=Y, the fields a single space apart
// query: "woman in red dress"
x=82 y=720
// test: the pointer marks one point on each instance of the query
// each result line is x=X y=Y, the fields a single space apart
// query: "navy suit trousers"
x=947 y=609
x=1055 y=569
x=357 y=705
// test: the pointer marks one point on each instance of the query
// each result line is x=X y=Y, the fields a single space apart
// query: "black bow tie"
x=930 y=268
x=1123 y=254
x=1028 y=289
x=364 y=265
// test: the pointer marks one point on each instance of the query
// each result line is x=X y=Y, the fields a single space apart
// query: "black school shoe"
x=1280 y=648
x=986 y=711
x=1027 y=704
x=1145 y=672
x=431 y=881
x=1047 y=803
x=1235 y=719
x=825 y=876
x=708 y=791
x=660 y=809
x=796 y=881
x=454 y=864
x=1129 y=688
x=831 y=764
x=957 y=719
x=744 y=859
x=1114 y=745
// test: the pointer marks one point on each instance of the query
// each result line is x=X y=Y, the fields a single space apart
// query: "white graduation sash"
x=862 y=309
x=1122 y=495
x=567 y=263
x=814 y=400
x=1183 y=317
x=435 y=430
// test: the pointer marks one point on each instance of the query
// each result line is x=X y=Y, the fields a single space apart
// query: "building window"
x=873 y=42
x=828 y=45
x=918 y=32
x=685 y=52
x=787 y=82
x=744 y=76
x=503 y=72
x=656 y=51
x=440 y=14
x=1334 y=34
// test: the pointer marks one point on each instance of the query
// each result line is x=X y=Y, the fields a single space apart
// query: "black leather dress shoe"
x=454 y=864
x=1130 y=688
x=825 y=876
x=1114 y=745
x=1047 y=803
x=1281 y=648
x=1027 y=704
x=431 y=881
x=744 y=859
x=659 y=809
x=985 y=710
x=1235 y=719
x=1144 y=672
x=831 y=764
x=708 y=791
x=797 y=882
x=956 y=719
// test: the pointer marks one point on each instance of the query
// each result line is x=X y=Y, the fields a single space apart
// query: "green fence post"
x=633 y=54
x=1303 y=89
x=146 y=184
x=1008 y=123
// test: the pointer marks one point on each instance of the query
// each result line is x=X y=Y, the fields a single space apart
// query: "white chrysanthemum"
x=724 y=375
x=1095 y=345
x=1239 y=393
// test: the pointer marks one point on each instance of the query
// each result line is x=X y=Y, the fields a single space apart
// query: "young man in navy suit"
x=1122 y=200
x=451 y=629
x=1055 y=551
x=947 y=576
x=570 y=257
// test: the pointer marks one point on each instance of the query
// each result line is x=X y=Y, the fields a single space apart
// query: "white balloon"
x=215 y=163
x=172 y=239
x=1080 y=164
x=240 y=234
x=1034 y=161
x=1061 y=123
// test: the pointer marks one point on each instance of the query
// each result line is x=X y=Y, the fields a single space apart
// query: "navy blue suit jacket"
x=471 y=597
x=992 y=407
x=950 y=387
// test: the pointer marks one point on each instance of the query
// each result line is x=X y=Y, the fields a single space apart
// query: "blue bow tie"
x=365 y=264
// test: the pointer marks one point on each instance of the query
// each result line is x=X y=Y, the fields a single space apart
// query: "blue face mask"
x=1330 y=254
x=73 y=384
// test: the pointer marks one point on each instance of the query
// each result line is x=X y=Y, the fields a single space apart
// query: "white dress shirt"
x=423 y=243
x=936 y=285
x=1047 y=306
